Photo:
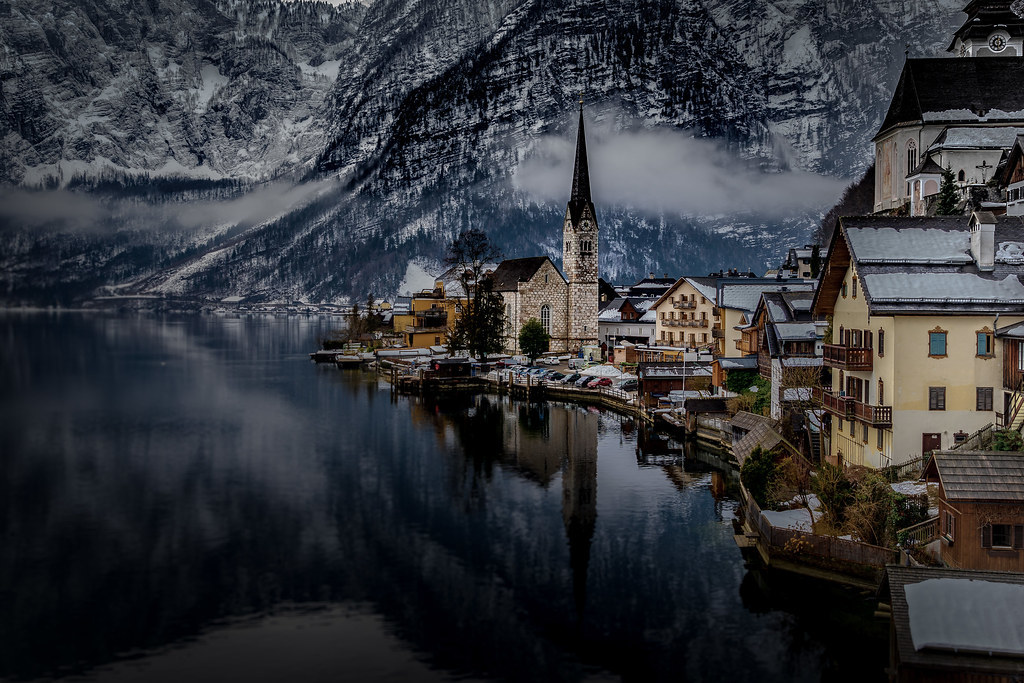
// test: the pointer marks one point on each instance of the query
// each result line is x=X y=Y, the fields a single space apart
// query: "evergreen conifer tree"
x=948 y=195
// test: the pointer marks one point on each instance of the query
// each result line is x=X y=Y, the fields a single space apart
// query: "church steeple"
x=579 y=198
x=579 y=255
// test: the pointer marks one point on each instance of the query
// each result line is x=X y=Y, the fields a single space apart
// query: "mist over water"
x=190 y=499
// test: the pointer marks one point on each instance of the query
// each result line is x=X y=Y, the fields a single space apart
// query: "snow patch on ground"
x=329 y=69
x=798 y=519
x=212 y=81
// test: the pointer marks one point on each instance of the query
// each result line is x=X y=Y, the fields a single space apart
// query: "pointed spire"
x=580 y=172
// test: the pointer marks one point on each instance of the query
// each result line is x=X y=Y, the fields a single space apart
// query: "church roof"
x=945 y=90
x=579 y=198
x=511 y=272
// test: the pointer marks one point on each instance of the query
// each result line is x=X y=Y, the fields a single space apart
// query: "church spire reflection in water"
x=579 y=498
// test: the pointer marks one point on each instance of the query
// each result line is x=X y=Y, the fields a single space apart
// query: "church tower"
x=579 y=255
x=994 y=28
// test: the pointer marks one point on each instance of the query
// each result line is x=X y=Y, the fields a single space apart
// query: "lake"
x=189 y=498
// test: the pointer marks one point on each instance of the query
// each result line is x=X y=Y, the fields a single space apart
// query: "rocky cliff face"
x=434 y=116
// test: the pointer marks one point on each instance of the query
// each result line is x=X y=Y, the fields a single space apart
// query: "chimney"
x=983 y=239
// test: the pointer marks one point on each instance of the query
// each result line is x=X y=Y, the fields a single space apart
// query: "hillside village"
x=898 y=346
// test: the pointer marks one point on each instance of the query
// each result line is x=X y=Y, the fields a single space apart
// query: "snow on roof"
x=799 y=394
x=801 y=304
x=796 y=331
x=1010 y=252
x=910 y=245
x=963 y=137
x=745 y=297
x=801 y=362
x=745 y=363
x=776 y=310
x=966 y=615
x=950 y=288
x=968 y=115
x=704 y=286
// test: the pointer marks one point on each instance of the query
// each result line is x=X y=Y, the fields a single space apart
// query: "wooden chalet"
x=954 y=626
x=981 y=508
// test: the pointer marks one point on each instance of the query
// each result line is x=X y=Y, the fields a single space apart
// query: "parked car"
x=600 y=382
x=571 y=379
x=629 y=385
x=556 y=376
x=583 y=380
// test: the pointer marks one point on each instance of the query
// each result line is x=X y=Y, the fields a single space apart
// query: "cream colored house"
x=685 y=315
x=913 y=305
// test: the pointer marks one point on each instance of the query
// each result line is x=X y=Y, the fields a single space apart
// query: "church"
x=565 y=304
x=962 y=113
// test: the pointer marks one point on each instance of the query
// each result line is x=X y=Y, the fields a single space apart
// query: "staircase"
x=1015 y=414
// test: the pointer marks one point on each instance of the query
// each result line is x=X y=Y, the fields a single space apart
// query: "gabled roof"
x=511 y=272
x=705 y=286
x=924 y=265
x=947 y=90
x=978 y=475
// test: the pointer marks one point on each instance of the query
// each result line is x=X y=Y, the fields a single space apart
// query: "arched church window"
x=911 y=156
x=961 y=176
x=585 y=247
x=545 y=318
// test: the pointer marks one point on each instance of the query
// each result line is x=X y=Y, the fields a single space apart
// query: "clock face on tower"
x=997 y=43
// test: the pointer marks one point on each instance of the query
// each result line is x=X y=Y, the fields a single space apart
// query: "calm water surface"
x=190 y=499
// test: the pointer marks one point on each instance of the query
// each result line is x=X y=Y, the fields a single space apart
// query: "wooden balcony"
x=880 y=416
x=684 y=304
x=717 y=333
x=848 y=357
x=764 y=365
x=837 y=405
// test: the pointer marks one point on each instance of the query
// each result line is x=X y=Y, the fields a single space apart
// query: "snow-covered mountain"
x=329 y=145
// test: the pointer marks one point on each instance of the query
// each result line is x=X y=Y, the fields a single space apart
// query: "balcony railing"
x=848 y=357
x=837 y=405
x=684 y=304
x=852 y=409
x=875 y=415
x=717 y=333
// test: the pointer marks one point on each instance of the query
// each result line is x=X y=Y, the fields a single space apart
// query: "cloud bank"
x=65 y=210
x=671 y=171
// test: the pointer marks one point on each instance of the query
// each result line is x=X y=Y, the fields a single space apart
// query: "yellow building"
x=685 y=315
x=913 y=305
x=431 y=312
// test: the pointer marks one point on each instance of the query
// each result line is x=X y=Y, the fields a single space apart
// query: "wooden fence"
x=793 y=541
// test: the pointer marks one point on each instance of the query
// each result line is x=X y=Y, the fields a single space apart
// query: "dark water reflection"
x=190 y=499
